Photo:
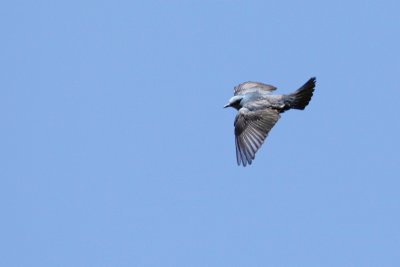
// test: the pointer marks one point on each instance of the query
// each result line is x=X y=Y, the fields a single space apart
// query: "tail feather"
x=302 y=96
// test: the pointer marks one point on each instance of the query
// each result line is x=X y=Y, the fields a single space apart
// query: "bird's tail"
x=302 y=96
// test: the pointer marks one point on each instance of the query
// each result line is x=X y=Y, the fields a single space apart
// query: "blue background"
x=116 y=151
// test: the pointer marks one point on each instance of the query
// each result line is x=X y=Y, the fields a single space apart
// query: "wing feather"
x=249 y=86
x=251 y=129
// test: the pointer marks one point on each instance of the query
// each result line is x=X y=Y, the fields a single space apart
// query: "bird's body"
x=258 y=111
x=261 y=100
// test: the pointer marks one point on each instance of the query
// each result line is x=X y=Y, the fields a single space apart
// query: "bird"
x=259 y=110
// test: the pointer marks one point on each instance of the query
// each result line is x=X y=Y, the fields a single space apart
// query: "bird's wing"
x=251 y=129
x=247 y=87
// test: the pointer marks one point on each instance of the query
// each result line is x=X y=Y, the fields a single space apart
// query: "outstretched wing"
x=248 y=87
x=251 y=129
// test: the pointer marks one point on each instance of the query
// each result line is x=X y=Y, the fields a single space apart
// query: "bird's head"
x=235 y=102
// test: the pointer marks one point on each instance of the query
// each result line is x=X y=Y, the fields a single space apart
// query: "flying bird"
x=258 y=111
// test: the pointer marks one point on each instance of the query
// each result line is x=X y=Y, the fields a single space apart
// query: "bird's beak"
x=227 y=105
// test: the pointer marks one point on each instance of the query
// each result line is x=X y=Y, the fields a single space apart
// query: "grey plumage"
x=258 y=111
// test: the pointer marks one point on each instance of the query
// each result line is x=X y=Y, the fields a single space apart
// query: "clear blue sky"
x=116 y=151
